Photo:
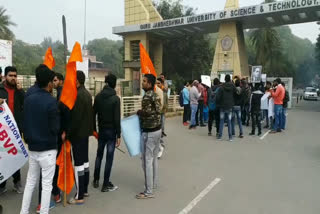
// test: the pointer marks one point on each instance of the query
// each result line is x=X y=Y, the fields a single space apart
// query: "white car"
x=310 y=93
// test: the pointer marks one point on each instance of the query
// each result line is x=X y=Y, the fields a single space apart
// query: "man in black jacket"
x=81 y=127
x=15 y=99
x=255 y=109
x=41 y=127
x=225 y=101
x=107 y=107
x=236 y=111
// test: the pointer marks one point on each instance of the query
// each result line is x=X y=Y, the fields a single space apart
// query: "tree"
x=5 y=23
x=109 y=52
x=184 y=58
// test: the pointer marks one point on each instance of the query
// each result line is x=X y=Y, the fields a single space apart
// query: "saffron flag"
x=13 y=154
x=146 y=63
x=48 y=59
x=70 y=173
x=69 y=91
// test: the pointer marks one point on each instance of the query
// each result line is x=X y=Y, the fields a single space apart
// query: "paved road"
x=279 y=174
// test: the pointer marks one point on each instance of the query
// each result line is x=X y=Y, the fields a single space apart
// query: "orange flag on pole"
x=69 y=91
x=48 y=59
x=69 y=171
x=146 y=63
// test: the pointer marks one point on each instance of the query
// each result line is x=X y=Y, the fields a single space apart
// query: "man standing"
x=214 y=112
x=200 y=105
x=41 y=127
x=194 y=96
x=80 y=129
x=225 y=101
x=186 y=104
x=285 y=106
x=236 y=111
x=255 y=109
x=164 y=107
x=151 y=132
x=165 y=90
x=278 y=94
x=15 y=100
x=107 y=107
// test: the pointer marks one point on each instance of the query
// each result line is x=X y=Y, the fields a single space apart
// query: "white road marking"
x=195 y=201
x=265 y=135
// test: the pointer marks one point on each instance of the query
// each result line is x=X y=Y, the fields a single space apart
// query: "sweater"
x=41 y=121
x=194 y=95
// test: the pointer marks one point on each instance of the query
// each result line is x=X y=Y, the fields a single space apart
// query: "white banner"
x=13 y=154
x=5 y=53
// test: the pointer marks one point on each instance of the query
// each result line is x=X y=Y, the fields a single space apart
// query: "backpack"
x=212 y=99
x=181 y=98
x=286 y=99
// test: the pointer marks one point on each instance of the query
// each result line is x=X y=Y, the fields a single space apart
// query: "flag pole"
x=65 y=42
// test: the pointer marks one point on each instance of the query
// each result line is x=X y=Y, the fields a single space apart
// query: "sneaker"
x=252 y=133
x=51 y=206
x=18 y=188
x=259 y=133
x=209 y=134
x=185 y=124
x=109 y=188
x=57 y=198
x=241 y=136
x=219 y=138
x=96 y=184
x=202 y=125
x=230 y=139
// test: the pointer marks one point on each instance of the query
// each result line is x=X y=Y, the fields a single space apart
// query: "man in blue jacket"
x=41 y=128
x=186 y=104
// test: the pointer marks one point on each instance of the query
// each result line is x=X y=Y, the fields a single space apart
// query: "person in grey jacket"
x=194 y=97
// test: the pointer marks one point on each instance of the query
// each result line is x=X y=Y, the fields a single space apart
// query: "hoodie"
x=107 y=107
x=225 y=96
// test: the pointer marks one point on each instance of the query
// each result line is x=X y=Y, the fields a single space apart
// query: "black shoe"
x=279 y=130
x=95 y=184
x=197 y=124
x=209 y=134
x=252 y=133
x=202 y=125
x=109 y=188
x=266 y=127
x=241 y=136
x=259 y=133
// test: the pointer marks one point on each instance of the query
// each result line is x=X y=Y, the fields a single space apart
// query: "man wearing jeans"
x=236 y=111
x=186 y=104
x=278 y=94
x=41 y=128
x=285 y=106
x=225 y=100
x=194 y=97
x=150 y=120
x=107 y=107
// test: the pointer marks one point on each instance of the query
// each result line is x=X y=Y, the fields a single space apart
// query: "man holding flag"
x=150 y=120
x=81 y=127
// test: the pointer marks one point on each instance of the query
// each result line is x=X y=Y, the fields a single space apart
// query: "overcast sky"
x=37 y=19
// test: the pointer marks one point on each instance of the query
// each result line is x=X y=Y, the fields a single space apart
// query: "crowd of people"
x=46 y=123
x=235 y=102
